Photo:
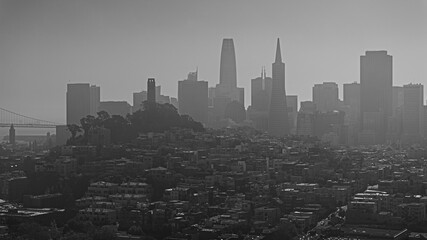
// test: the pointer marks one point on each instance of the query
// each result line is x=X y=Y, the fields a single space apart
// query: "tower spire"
x=278 y=52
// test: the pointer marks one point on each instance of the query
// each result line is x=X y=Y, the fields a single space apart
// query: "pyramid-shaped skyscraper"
x=278 y=114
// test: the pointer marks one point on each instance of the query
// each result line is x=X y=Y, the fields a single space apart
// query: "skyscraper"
x=78 y=102
x=193 y=98
x=151 y=90
x=260 y=101
x=325 y=96
x=292 y=101
x=352 y=109
x=305 y=119
x=376 y=80
x=226 y=91
x=278 y=113
x=227 y=71
x=413 y=98
x=95 y=98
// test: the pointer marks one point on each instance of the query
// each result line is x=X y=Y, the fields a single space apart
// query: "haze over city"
x=117 y=45
x=213 y=119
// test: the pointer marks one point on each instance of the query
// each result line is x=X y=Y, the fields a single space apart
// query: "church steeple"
x=278 y=52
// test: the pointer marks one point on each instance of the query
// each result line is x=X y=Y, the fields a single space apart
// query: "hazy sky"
x=45 y=44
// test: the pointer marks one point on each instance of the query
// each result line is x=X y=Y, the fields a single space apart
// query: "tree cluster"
x=154 y=117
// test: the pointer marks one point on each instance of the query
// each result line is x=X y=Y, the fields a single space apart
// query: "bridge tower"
x=12 y=135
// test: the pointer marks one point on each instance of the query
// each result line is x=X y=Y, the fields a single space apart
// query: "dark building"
x=235 y=111
x=261 y=92
x=278 y=112
x=260 y=101
x=413 y=98
x=151 y=90
x=193 y=98
x=78 y=102
x=376 y=80
x=226 y=91
x=325 y=96
x=352 y=108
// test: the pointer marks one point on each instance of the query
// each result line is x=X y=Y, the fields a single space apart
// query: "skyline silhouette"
x=45 y=45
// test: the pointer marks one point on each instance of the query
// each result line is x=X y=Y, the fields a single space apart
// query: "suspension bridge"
x=8 y=118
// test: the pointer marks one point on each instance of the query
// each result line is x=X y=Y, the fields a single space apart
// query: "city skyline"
x=46 y=53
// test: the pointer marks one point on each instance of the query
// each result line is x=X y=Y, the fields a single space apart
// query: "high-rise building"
x=394 y=127
x=292 y=101
x=413 y=99
x=78 y=102
x=352 y=100
x=278 y=113
x=376 y=80
x=352 y=109
x=260 y=101
x=306 y=118
x=151 y=90
x=325 y=96
x=425 y=121
x=95 y=99
x=260 y=92
x=193 y=98
x=12 y=135
x=227 y=71
x=226 y=91
x=397 y=98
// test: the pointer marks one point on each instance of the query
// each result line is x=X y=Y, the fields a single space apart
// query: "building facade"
x=376 y=80
x=278 y=113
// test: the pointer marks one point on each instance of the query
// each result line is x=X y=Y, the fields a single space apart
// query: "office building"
x=397 y=98
x=78 y=102
x=376 y=80
x=352 y=109
x=413 y=98
x=292 y=102
x=260 y=101
x=278 y=112
x=261 y=92
x=62 y=135
x=95 y=99
x=227 y=71
x=226 y=91
x=325 y=96
x=305 y=119
x=193 y=98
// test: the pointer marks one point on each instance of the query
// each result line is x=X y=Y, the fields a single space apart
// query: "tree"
x=74 y=129
x=87 y=123
x=101 y=118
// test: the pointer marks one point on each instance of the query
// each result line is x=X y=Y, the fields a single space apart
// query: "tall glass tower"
x=227 y=72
